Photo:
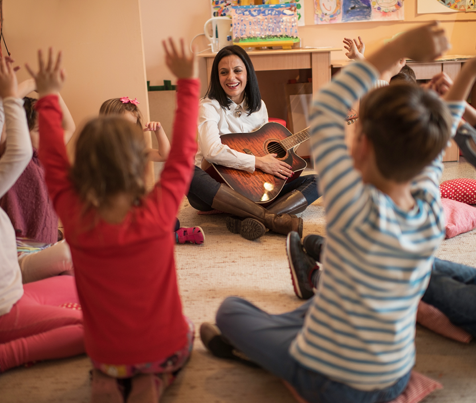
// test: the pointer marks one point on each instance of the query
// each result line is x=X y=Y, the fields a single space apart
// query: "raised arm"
x=163 y=144
x=29 y=85
x=52 y=151
x=177 y=173
x=18 y=151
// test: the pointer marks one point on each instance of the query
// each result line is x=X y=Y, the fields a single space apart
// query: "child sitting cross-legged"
x=120 y=237
x=354 y=340
x=128 y=109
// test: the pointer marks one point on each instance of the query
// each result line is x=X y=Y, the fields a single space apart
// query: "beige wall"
x=186 y=18
x=101 y=42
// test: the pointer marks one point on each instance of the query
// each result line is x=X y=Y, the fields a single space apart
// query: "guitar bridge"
x=246 y=151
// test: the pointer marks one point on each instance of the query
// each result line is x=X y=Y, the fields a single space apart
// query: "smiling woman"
x=233 y=104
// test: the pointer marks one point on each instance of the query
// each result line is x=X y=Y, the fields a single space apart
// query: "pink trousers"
x=38 y=327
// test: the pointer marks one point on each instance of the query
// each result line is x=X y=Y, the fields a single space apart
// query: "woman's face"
x=233 y=77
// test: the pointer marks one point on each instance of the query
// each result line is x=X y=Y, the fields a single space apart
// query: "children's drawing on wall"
x=222 y=8
x=265 y=23
x=445 y=6
x=299 y=7
x=337 y=11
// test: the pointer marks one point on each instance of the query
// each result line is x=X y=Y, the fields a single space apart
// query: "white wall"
x=101 y=43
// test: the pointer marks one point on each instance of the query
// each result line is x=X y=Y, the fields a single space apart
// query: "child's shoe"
x=314 y=244
x=144 y=389
x=213 y=340
x=104 y=389
x=302 y=267
x=190 y=235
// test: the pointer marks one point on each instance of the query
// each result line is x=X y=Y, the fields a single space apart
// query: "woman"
x=233 y=104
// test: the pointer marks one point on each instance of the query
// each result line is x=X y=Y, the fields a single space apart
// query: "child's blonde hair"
x=115 y=106
x=110 y=159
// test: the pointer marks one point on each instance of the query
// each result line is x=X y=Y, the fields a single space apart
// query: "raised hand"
x=355 y=50
x=152 y=127
x=424 y=43
x=441 y=83
x=180 y=64
x=8 y=79
x=50 y=77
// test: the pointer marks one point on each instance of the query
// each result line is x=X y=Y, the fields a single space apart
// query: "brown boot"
x=257 y=218
x=291 y=203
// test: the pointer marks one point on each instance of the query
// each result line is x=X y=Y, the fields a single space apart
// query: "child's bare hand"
x=8 y=79
x=441 y=83
x=355 y=50
x=424 y=43
x=180 y=64
x=50 y=78
x=152 y=127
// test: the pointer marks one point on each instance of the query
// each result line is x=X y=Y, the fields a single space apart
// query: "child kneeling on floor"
x=354 y=341
x=121 y=238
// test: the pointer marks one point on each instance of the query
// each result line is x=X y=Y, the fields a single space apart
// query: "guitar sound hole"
x=274 y=147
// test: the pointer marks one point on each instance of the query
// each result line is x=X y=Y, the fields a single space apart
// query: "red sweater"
x=125 y=273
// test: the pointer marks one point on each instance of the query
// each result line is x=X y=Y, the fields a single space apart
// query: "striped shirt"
x=360 y=327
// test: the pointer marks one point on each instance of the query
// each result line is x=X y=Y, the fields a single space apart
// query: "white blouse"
x=214 y=122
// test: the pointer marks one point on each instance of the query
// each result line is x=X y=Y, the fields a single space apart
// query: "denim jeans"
x=204 y=188
x=266 y=339
x=452 y=289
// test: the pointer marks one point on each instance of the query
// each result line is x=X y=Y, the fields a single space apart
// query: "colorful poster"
x=445 y=6
x=265 y=23
x=339 y=11
x=299 y=7
x=222 y=8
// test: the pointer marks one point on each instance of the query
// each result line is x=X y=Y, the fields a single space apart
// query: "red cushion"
x=460 y=217
x=277 y=120
x=462 y=190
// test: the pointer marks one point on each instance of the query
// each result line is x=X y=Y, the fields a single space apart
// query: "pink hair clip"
x=126 y=100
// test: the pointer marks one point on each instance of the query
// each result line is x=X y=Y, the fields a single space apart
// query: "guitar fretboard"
x=295 y=139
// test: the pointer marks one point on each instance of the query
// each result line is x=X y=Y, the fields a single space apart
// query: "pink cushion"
x=462 y=190
x=418 y=387
x=433 y=319
x=460 y=217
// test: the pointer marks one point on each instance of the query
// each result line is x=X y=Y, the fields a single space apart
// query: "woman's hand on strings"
x=271 y=165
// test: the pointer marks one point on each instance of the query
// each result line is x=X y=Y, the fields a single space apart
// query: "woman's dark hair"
x=252 y=94
x=29 y=106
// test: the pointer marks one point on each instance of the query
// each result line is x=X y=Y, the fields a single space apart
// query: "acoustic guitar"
x=259 y=186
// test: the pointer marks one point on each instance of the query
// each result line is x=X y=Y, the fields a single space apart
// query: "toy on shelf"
x=265 y=25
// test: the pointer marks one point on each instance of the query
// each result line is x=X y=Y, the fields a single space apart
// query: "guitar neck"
x=295 y=139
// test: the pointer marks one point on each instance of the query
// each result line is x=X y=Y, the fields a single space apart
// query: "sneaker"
x=190 y=235
x=301 y=265
x=213 y=340
x=314 y=244
x=248 y=228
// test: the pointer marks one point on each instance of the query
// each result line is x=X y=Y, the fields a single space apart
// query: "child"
x=120 y=237
x=27 y=203
x=356 y=50
x=128 y=109
x=33 y=324
x=354 y=341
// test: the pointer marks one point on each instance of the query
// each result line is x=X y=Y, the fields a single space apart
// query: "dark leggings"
x=204 y=188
